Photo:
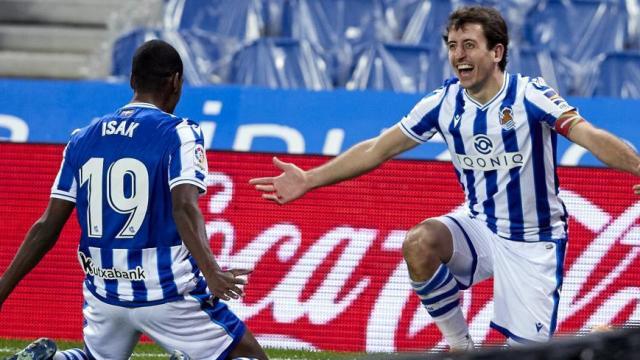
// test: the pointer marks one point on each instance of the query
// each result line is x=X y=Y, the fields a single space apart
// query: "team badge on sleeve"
x=551 y=94
x=200 y=159
x=557 y=99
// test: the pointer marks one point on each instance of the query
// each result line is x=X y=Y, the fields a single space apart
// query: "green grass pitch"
x=154 y=352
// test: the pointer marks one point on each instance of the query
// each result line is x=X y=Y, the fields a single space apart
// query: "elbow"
x=43 y=235
x=375 y=154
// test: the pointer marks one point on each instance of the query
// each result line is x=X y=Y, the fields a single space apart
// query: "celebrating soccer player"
x=501 y=132
x=135 y=177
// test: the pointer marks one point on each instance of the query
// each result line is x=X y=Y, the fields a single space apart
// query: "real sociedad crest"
x=506 y=118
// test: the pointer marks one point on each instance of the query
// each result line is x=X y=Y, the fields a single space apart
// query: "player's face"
x=470 y=57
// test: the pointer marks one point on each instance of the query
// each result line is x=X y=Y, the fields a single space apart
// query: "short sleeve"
x=65 y=186
x=188 y=160
x=421 y=122
x=547 y=100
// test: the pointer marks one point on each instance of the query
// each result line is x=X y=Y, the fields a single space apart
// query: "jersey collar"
x=140 y=105
x=496 y=96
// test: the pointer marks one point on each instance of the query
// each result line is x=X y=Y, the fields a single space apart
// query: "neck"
x=488 y=88
x=159 y=101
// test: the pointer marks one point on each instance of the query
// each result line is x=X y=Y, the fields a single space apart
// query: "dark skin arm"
x=190 y=223
x=39 y=240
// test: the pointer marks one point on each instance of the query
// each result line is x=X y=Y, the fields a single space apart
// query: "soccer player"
x=135 y=177
x=501 y=130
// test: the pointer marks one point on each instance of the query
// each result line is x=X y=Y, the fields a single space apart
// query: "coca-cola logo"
x=322 y=281
x=328 y=269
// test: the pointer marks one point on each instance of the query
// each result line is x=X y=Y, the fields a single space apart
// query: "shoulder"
x=452 y=81
x=80 y=133
x=158 y=116
x=537 y=86
x=434 y=98
x=450 y=86
x=169 y=122
x=185 y=123
x=538 y=91
x=535 y=83
x=184 y=129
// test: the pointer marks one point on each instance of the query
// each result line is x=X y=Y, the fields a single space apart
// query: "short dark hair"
x=492 y=22
x=154 y=62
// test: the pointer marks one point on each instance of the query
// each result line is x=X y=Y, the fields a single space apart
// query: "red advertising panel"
x=328 y=271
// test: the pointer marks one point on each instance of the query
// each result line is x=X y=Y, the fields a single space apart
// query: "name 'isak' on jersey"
x=123 y=128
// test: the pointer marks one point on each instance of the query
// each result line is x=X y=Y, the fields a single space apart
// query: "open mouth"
x=464 y=69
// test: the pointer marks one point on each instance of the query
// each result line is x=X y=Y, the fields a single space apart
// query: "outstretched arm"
x=294 y=182
x=39 y=240
x=190 y=224
x=608 y=148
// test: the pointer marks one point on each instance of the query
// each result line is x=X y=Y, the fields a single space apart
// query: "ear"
x=132 y=82
x=176 y=82
x=498 y=53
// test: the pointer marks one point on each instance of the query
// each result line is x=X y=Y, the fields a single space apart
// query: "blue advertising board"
x=265 y=120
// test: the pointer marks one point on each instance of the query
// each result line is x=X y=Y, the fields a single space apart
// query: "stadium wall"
x=328 y=273
x=265 y=120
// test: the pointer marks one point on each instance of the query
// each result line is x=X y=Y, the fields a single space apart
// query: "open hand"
x=224 y=283
x=288 y=186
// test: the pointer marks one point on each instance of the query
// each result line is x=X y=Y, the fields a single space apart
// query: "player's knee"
x=423 y=241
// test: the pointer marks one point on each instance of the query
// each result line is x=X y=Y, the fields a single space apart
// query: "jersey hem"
x=197 y=183
x=63 y=197
x=410 y=134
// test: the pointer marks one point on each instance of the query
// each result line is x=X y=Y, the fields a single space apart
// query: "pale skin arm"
x=363 y=157
x=608 y=148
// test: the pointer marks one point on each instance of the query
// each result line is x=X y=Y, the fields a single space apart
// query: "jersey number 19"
x=121 y=171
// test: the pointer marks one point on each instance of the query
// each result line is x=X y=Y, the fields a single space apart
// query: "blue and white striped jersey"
x=504 y=153
x=119 y=171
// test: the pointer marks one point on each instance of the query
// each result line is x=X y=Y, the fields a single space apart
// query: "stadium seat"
x=619 y=76
x=125 y=46
x=206 y=58
x=428 y=22
x=356 y=43
x=399 y=67
x=273 y=11
x=280 y=63
x=424 y=21
x=582 y=30
x=339 y=29
x=536 y=62
x=243 y=20
x=633 y=25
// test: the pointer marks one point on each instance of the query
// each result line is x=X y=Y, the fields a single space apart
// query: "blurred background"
x=306 y=79
x=581 y=47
